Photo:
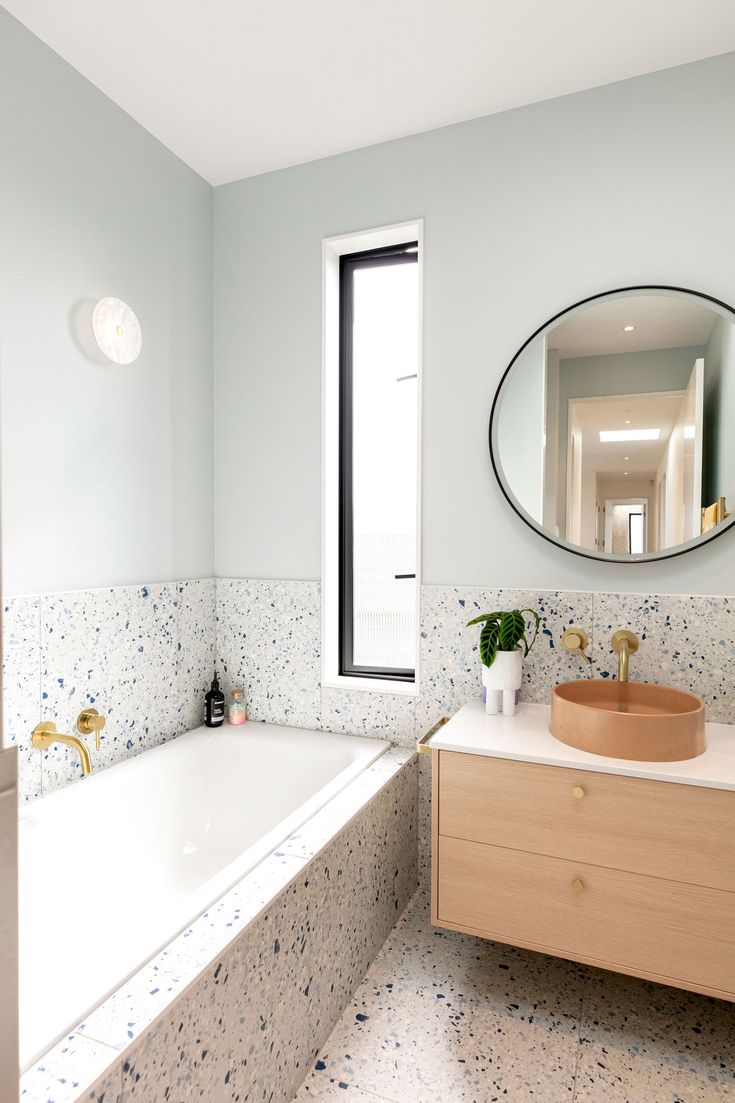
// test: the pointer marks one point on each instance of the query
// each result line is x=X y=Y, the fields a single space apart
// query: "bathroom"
x=307 y=904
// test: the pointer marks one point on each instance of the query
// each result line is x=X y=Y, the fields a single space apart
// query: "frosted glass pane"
x=385 y=362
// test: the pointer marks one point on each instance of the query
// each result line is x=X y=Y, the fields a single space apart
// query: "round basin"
x=634 y=720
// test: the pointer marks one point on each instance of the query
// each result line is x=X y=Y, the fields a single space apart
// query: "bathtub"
x=114 y=867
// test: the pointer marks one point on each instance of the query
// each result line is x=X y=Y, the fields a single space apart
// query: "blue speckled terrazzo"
x=115 y=650
x=77 y=1070
x=685 y=642
x=142 y=655
x=149 y=650
x=450 y=662
x=269 y=641
x=443 y=1017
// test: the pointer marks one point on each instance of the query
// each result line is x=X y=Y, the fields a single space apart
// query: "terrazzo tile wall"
x=142 y=655
x=268 y=639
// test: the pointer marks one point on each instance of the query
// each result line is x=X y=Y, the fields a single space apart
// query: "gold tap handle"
x=88 y=721
x=576 y=639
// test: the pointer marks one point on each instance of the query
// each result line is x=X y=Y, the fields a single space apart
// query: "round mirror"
x=613 y=430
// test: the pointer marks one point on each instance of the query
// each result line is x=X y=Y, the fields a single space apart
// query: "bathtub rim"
x=227 y=877
x=89 y=1051
x=140 y=759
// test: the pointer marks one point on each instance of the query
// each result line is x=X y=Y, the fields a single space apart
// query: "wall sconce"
x=117 y=331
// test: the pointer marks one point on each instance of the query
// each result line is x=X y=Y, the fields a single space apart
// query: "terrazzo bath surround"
x=238 y=1004
x=186 y=821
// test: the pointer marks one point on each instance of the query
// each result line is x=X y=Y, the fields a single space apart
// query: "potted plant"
x=503 y=647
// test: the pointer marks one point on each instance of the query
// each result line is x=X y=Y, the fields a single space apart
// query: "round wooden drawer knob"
x=577 y=885
x=578 y=792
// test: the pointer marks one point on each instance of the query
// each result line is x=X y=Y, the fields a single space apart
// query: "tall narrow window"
x=379 y=312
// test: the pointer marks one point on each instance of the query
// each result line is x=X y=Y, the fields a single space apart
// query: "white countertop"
x=526 y=738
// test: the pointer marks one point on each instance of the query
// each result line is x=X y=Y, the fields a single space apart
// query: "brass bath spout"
x=45 y=733
x=626 y=644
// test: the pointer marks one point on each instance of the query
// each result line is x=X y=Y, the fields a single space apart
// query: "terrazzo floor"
x=447 y=1018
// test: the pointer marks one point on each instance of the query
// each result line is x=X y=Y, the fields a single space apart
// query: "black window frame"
x=349 y=263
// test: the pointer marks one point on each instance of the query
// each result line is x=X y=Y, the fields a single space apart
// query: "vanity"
x=620 y=864
x=576 y=843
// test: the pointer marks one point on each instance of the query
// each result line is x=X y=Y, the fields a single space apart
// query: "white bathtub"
x=112 y=868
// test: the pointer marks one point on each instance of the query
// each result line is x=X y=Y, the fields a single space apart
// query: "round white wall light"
x=117 y=330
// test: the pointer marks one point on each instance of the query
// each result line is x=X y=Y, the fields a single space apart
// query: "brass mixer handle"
x=576 y=639
x=88 y=721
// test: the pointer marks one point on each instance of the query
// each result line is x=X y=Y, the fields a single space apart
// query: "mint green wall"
x=106 y=470
x=521 y=429
x=525 y=212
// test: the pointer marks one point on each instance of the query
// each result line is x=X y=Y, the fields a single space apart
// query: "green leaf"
x=512 y=627
x=489 y=642
x=482 y=618
x=532 y=613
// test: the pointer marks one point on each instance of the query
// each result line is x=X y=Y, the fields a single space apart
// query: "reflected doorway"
x=626 y=526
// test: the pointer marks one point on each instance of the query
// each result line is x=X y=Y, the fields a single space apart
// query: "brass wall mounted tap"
x=45 y=733
x=88 y=721
x=626 y=644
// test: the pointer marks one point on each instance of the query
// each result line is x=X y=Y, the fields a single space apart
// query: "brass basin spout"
x=626 y=644
x=45 y=734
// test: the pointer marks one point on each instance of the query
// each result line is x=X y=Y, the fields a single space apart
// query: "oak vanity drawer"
x=659 y=828
x=625 y=920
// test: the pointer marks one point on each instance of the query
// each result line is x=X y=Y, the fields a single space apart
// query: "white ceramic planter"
x=501 y=681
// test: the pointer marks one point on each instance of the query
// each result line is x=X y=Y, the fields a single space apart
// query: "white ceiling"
x=644 y=411
x=661 y=322
x=240 y=87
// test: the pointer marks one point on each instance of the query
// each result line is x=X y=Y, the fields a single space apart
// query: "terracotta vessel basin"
x=634 y=720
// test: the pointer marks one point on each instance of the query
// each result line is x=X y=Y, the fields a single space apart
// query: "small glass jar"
x=236 y=711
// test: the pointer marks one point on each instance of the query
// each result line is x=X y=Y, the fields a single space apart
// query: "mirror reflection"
x=613 y=431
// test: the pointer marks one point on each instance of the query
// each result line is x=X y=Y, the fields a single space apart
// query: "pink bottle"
x=236 y=711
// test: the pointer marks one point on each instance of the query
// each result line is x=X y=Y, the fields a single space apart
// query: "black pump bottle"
x=214 y=705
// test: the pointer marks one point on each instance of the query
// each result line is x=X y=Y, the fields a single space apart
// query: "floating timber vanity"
x=625 y=865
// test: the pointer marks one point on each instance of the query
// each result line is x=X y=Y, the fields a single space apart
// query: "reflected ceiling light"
x=607 y=436
x=626 y=472
x=628 y=329
x=117 y=331
x=690 y=432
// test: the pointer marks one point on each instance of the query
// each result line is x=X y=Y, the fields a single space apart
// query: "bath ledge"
x=87 y=1053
